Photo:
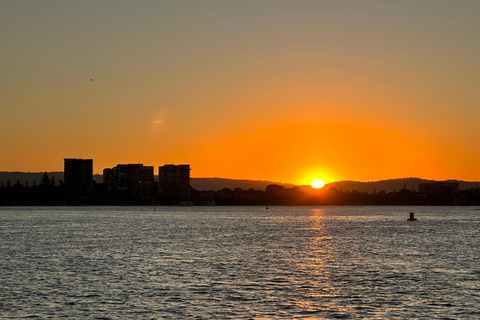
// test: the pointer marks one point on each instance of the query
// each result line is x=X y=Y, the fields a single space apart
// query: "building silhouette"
x=174 y=183
x=441 y=192
x=442 y=188
x=129 y=183
x=78 y=179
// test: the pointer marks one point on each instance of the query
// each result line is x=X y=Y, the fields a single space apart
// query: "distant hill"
x=392 y=185
x=29 y=177
x=37 y=176
x=220 y=183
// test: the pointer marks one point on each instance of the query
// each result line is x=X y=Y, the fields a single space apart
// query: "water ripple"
x=239 y=263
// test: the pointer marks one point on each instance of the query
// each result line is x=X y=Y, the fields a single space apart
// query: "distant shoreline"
x=215 y=184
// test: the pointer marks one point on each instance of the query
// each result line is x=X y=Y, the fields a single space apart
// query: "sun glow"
x=317 y=183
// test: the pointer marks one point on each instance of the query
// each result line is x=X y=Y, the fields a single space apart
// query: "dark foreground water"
x=239 y=263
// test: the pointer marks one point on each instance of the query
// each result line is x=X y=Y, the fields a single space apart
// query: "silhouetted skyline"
x=388 y=185
x=135 y=183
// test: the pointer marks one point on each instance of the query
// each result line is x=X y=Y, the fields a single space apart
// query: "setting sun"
x=317 y=183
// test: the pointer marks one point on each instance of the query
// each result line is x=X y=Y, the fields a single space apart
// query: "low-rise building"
x=439 y=188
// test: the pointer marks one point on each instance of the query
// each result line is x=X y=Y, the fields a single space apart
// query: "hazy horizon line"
x=265 y=180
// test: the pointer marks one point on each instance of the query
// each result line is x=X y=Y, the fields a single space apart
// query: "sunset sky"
x=286 y=91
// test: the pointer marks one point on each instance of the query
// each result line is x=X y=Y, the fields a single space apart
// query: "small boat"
x=412 y=217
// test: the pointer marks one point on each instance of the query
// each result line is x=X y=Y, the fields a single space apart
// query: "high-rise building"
x=78 y=179
x=127 y=183
x=174 y=182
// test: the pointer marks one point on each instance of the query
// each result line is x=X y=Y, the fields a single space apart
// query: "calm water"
x=239 y=263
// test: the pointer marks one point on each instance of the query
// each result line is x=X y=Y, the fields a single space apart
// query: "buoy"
x=412 y=217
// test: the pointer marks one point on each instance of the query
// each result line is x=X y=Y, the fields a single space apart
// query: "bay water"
x=239 y=263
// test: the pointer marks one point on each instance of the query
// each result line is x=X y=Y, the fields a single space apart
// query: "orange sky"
x=267 y=90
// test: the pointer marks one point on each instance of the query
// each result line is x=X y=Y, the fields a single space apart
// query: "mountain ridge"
x=215 y=183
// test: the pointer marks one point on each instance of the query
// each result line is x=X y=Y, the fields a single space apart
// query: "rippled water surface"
x=239 y=263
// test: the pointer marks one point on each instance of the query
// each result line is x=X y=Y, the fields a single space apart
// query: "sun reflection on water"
x=317 y=290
